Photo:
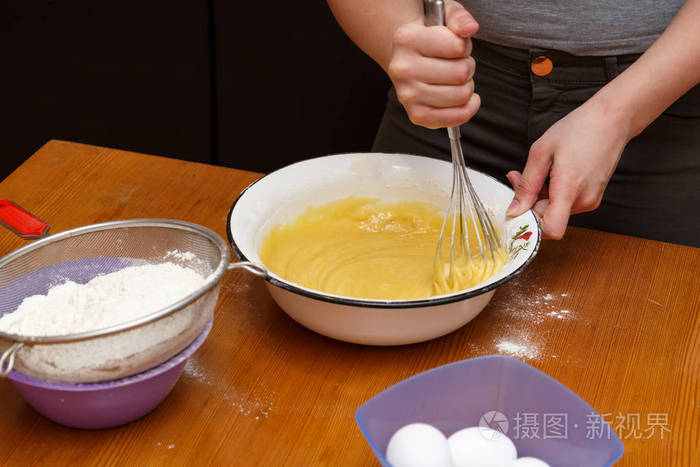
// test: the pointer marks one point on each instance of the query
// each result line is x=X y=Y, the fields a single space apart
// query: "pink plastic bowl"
x=109 y=403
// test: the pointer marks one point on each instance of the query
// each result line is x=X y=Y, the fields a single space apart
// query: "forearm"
x=371 y=23
x=669 y=68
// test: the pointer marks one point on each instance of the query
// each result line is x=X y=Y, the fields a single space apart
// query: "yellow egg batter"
x=363 y=248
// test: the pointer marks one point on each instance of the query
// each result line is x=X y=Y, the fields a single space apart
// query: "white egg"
x=481 y=447
x=418 y=445
x=529 y=462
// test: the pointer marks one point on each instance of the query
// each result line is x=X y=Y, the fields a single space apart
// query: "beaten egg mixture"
x=364 y=248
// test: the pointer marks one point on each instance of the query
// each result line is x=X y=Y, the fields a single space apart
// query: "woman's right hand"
x=432 y=69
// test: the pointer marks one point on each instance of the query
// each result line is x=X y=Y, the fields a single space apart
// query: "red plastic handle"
x=21 y=222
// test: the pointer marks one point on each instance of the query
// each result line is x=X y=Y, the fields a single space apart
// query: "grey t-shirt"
x=580 y=27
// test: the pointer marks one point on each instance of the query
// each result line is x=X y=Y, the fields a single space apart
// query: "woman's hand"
x=432 y=69
x=579 y=153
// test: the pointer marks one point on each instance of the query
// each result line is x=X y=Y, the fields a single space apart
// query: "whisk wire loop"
x=468 y=221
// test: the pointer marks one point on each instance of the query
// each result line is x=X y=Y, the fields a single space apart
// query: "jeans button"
x=541 y=66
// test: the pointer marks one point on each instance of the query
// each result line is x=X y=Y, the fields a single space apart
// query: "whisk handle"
x=434 y=12
x=434 y=15
x=21 y=221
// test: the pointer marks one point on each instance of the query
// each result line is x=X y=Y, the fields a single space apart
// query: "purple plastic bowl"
x=502 y=393
x=105 y=404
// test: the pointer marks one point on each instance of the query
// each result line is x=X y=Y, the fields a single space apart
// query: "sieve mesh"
x=82 y=254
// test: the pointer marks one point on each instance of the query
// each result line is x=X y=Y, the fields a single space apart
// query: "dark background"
x=253 y=85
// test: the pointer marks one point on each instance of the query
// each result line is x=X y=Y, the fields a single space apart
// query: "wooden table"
x=614 y=318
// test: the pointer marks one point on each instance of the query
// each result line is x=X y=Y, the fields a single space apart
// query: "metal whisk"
x=465 y=212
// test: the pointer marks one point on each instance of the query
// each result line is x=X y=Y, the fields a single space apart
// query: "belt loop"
x=610 y=67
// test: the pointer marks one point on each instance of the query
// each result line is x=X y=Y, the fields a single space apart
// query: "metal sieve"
x=83 y=253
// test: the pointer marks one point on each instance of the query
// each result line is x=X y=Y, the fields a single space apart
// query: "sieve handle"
x=250 y=267
x=7 y=360
x=21 y=221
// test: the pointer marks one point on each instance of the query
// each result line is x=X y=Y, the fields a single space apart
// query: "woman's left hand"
x=579 y=153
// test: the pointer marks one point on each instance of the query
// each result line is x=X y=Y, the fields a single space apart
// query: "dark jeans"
x=655 y=191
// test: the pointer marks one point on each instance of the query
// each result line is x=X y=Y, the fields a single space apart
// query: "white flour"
x=524 y=350
x=106 y=300
x=528 y=314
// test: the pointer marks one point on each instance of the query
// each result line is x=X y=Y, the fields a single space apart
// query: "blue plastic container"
x=544 y=418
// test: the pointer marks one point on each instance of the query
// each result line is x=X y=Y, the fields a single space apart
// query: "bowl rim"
x=180 y=357
x=494 y=358
x=369 y=303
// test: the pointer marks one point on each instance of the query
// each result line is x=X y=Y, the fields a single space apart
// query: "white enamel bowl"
x=284 y=194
